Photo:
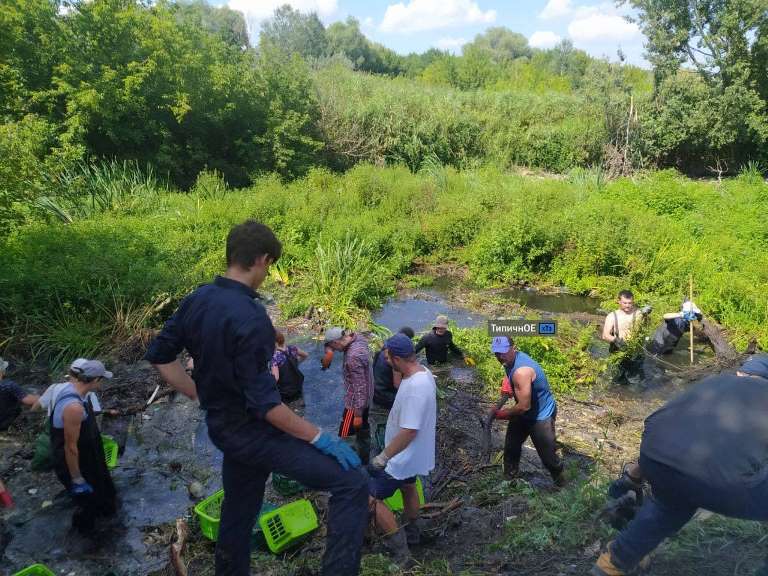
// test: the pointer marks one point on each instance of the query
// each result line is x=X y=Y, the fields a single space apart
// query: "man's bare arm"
x=522 y=380
x=400 y=442
x=178 y=379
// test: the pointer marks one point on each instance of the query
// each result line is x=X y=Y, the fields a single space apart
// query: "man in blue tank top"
x=532 y=415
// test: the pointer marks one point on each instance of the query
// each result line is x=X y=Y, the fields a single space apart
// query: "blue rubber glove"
x=332 y=446
x=81 y=488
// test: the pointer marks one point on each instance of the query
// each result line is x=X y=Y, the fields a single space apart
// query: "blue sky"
x=416 y=25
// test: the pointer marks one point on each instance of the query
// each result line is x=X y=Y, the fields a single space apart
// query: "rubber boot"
x=605 y=566
x=413 y=532
x=396 y=546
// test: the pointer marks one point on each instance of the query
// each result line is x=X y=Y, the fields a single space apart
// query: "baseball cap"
x=400 y=345
x=333 y=333
x=78 y=364
x=500 y=345
x=756 y=365
x=91 y=369
x=440 y=322
x=3 y=365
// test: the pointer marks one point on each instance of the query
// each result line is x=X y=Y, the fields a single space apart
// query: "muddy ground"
x=166 y=450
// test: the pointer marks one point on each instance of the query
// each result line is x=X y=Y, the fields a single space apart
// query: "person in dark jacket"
x=438 y=342
x=385 y=380
x=12 y=398
x=285 y=368
x=230 y=336
x=707 y=448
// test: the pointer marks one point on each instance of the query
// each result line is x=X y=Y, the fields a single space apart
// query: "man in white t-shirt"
x=409 y=449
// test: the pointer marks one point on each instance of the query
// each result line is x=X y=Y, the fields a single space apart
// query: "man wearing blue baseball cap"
x=532 y=415
x=409 y=449
x=707 y=448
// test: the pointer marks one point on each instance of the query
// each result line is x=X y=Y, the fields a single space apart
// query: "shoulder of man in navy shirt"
x=231 y=338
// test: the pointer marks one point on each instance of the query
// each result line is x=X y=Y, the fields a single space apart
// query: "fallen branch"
x=177 y=548
x=452 y=505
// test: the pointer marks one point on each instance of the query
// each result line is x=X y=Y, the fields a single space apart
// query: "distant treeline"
x=176 y=88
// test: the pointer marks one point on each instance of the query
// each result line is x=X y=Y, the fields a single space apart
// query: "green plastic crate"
x=209 y=516
x=288 y=525
x=286 y=486
x=35 y=570
x=110 y=450
x=395 y=502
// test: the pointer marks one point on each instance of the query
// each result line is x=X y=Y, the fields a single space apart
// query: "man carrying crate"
x=231 y=339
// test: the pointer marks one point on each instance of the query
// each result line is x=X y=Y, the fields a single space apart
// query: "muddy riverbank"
x=166 y=449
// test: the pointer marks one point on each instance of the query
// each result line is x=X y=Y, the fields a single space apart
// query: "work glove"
x=645 y=310
x=357 y=422
x=469 y=361
x=624 y=485
x=80 y=487
x=325 y=361
x=690 y=311
x=619 y=512
x=502 y=414
x=380 y=462
x=331 y=446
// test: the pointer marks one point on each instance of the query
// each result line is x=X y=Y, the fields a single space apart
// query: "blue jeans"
x=676 y=497
x=245 y=470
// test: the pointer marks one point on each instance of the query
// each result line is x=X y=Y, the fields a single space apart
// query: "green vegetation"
x=349 y=238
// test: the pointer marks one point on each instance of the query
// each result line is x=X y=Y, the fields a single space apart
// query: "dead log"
x=714 y=333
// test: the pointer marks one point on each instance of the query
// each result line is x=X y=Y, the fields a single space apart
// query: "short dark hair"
x=626 y=294
x=248 y=241
x=408 y=331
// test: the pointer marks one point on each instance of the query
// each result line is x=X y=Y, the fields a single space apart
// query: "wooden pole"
x=690 y=299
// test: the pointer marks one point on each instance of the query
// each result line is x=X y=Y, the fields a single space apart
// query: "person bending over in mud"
x=707 y=448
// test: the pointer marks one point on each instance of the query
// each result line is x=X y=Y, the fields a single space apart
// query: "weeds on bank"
x=349 y=238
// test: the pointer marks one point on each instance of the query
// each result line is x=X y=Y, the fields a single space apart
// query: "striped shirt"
x=358 y=377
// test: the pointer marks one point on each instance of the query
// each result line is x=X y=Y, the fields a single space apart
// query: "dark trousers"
x=245 y=471
x=542 y=433
x=362 y=435
x=676 y=497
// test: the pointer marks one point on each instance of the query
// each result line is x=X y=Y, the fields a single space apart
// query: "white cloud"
x=257 y=11
x=556 y=9
x=368 y=22
x=419 y=15
x=544 y=39
x=452 y=44
x=600 y=26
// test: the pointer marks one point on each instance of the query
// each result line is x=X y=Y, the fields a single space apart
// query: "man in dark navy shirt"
x=707 y=448
x=231 y=339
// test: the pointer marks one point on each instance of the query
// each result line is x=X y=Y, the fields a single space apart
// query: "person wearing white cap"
x=12 y=397
x=42 y=458
x=78 y=454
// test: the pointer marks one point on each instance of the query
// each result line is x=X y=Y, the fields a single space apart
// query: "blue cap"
x=400 y=345
x=500 y=345
x=756 y=365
